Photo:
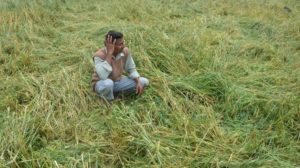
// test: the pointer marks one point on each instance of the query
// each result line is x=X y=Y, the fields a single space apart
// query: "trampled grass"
x=225 y=84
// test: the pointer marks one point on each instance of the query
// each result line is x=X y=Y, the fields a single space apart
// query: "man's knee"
x=108 y=83
x=144 y=81
x=104 y=85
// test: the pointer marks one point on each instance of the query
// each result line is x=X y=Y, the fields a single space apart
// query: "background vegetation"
x=225 y=84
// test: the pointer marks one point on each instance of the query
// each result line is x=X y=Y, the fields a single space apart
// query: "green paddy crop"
x=224 y=84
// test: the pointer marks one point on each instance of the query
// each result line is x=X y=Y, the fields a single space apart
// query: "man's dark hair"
x=114 y=34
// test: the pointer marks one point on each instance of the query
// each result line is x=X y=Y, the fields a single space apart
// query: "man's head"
x=118 y=36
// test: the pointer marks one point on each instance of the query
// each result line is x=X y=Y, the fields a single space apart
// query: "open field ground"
x=224 y=92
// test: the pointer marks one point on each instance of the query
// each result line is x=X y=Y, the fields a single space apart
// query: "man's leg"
x=104 y=88
x=128 y=85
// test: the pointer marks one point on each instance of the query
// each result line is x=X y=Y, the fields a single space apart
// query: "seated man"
x=110 y=62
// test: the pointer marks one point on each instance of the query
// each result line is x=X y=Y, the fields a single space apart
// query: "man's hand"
x=139 y=88
x=110 y=45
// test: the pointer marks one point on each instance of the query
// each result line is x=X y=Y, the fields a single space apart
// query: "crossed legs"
x=106 y=88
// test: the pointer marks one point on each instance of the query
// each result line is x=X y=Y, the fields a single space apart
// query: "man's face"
x=119 y=46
